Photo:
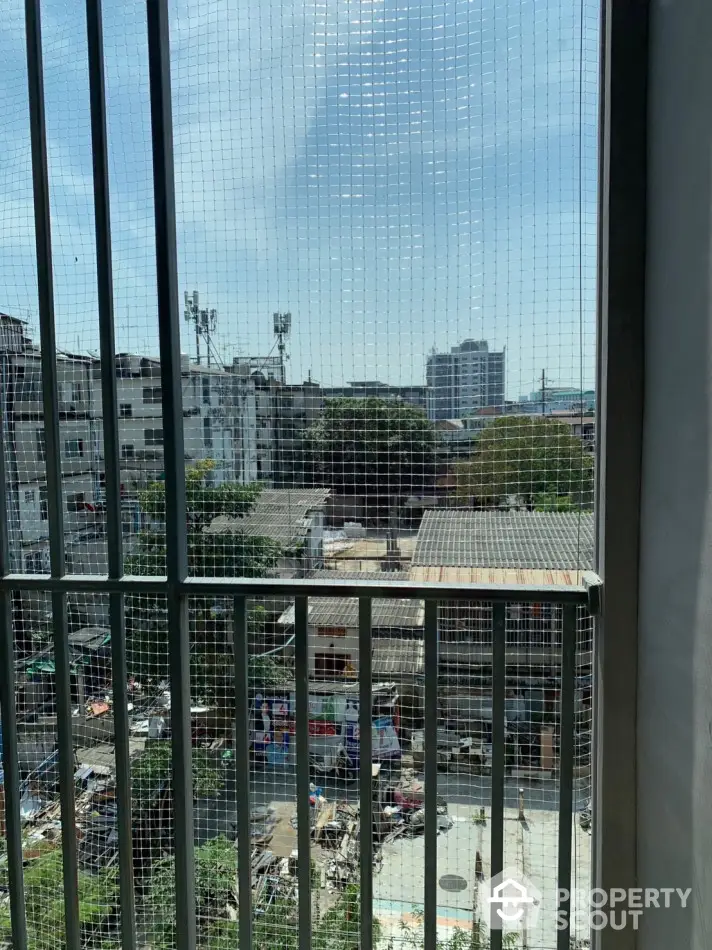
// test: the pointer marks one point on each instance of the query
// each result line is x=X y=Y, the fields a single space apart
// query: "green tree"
x=233 y=554
x=268 y=672
x=203 y=500
x=532 y=457
x=375 y=445
x=215 y=890
x=154 y=767
x=44 y=905
x=275 y=927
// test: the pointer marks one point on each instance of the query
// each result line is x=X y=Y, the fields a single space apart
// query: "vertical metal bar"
x=105 y=286
x=167 y=287
x=45 y=288
x=10 y=765
x=430 y=897
x=566 y=766
x=174 y=463
x=622 y=281
x=301 y=670
x=123 y=770
x=499 y=646
x=365 y=668
x=43 y=242
x=242 y=766
x=66 y=767
x=8 y=723
x=112 y=485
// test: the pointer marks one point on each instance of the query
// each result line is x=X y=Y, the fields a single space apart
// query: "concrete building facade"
x=220 y=423
x=468 y=378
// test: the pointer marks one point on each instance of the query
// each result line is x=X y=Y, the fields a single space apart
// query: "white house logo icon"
x=509 y=901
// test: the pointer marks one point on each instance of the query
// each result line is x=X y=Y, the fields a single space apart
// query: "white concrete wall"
x=314 y=544
x=31 y=525
x=32 y=528
x=674 y=724
x=31 y=466
x=232 y=411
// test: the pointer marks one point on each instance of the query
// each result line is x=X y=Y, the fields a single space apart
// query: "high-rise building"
x=468 y=378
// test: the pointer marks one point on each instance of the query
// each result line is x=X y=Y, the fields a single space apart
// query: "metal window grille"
x=498 y=634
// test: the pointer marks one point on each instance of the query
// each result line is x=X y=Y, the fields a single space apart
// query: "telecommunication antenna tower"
x=282 y=329
x=204 y=321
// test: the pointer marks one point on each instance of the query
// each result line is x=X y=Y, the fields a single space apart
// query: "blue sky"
x=400 y=175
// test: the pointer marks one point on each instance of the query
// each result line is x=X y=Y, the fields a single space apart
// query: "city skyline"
x=398 y=178
x=267 y=365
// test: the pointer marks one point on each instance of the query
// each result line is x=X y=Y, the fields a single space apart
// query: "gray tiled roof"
x=282 y=514
x=286 y=497
x=276 y=525
x=329 y=575
x=512 y=539
x=286 y=526
x=343 y=612
x=393 y=656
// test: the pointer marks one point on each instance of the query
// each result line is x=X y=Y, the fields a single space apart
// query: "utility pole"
x=543 y=392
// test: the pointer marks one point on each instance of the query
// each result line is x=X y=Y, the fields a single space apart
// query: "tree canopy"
x=274 y=928
x=232 y=554
x=535 y=458
x=98 y=899
x=215 y=555
x=203 y=500
x=369 y=445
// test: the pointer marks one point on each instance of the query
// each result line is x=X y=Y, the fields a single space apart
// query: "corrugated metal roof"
x=281 y=525
x=343 y=612
x=326 y=574
x=279 y=513
x=90 y=638
x=513 y=539
x=285 y=497
x=393 y=656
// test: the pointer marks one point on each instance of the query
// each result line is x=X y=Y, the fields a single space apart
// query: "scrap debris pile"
x=335 y=829
x=405 y=812
x=273 y=875
x=95 y=811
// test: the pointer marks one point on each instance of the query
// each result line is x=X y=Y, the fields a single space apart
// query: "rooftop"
x=311 y=498
x=554 y=541
x=395 y=656
x=279 y=513
x=343 y=612
x=330 y=575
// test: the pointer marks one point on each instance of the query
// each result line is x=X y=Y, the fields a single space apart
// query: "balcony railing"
x=574 y=602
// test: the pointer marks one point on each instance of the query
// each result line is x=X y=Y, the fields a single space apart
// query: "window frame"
x=44 y=503
x=76 y=502
x=153 y=441
x=74 y=455
x=152 y=395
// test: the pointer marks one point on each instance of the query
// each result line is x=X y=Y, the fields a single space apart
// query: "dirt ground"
x=365 y=554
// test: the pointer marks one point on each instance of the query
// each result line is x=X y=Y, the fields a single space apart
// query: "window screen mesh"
x=386 y=220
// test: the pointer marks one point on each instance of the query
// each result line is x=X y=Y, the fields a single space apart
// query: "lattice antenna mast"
x=204 y=321
x=282 y=329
